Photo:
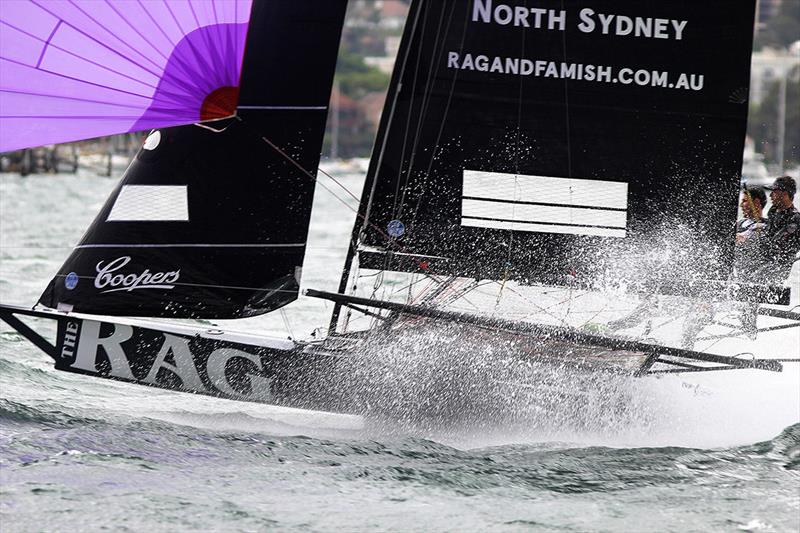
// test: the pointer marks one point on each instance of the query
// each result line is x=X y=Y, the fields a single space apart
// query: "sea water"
x=715 y=452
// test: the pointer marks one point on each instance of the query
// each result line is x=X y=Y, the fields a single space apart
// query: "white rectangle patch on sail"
x=150 y=203
x=544 y=204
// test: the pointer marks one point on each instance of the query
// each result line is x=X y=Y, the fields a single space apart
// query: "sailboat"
x=519 y=146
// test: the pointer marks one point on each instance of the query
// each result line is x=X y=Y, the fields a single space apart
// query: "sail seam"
x=543 y=223
x=571 y=206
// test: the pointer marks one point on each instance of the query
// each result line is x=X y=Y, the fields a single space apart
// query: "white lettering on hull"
x=70 y=339
x=260 y=386
x=90 y=341
x=185 y=367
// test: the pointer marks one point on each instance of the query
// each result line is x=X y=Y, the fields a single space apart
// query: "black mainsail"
x=517 y=137
x=211 y=221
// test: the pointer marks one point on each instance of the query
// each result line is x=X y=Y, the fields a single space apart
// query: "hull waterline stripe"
x=291 y=245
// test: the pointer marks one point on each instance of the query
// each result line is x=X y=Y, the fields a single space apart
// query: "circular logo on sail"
x=396 y=228
x=71 y=281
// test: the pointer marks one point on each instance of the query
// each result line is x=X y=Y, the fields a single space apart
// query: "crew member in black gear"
x=780 y=241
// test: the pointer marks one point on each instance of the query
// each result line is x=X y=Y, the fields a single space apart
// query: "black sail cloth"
x=211 y=221
x=537 y=142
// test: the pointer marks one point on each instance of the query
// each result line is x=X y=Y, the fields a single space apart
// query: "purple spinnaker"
x=77 y=69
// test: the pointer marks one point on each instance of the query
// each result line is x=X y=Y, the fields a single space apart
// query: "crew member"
x=765 y=253
x=780 y=241
x=749 y=259
x=753 y=201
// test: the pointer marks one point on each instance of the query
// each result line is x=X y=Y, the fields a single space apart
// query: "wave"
x=14 y=412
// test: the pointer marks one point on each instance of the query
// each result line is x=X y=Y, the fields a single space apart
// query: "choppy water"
x=699 y=453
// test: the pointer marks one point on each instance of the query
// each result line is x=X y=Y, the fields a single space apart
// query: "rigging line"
x=462 y=294
x=517 y=150
x=426 y=100
x=444 y=117
x=414 y=281
x=390 y=240
x=441 y=126
x=411 y=99
x=341 y=185
x=314 y=179
x=566 y=101
x=371 y=182
x=303 y=169
x=596 y=314
x=211 y=128
x=425 y=290
x=286 y=323
x=452 y=284
x=545 y=310
x=384 y=141
x=739 y=332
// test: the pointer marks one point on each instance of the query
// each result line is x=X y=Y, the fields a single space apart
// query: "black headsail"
x=518 y=136
x=212 y=221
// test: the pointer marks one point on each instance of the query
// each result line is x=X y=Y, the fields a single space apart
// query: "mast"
x=364 y=207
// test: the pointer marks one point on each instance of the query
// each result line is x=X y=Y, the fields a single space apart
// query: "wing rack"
x=676 y=359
